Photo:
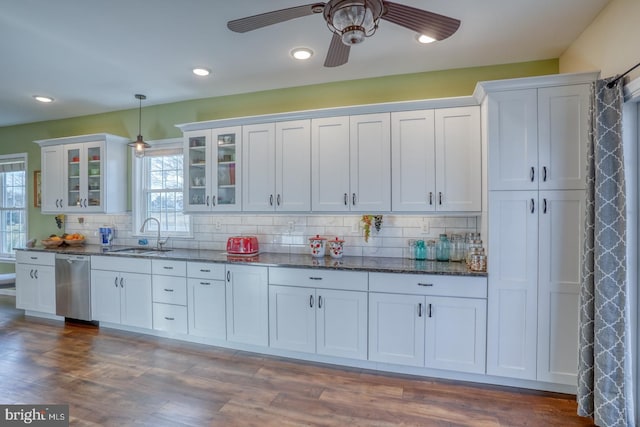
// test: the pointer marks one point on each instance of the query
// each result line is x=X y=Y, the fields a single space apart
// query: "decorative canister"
x=317 y=245
x=336 y=247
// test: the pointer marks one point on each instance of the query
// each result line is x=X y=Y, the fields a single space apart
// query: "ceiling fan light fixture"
x=353 y=20
x=43 y=99
x=301 y=53
x=139 y=145
x=202 y=72
x=424 y=39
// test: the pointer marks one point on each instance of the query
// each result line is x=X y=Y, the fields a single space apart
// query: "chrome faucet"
x=160 y=242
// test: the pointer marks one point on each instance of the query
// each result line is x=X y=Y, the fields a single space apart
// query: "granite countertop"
x=353 y=263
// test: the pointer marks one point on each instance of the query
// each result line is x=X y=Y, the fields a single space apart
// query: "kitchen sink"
x=140 y=251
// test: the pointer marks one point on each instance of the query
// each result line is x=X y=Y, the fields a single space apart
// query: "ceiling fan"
x=351 y=21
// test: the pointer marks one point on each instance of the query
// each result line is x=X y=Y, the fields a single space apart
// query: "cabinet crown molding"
x=83 y=138
x=484 y=88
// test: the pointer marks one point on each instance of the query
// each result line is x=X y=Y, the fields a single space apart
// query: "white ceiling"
x=92 y=56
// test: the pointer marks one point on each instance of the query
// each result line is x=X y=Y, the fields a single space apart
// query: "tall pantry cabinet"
x=537 y=133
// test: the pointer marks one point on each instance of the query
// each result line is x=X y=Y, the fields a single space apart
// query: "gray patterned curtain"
x=604 y=363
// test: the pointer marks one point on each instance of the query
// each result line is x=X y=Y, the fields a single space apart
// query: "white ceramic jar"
x=336 y=248
x=317 y=246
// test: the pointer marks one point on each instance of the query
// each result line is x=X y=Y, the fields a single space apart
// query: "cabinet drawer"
x=429 y=284
x=313 y=278
x=205 y=270
x=169 y=289
x=170 y=318
x=33 y=257
x=169 y=268
x=121 y=264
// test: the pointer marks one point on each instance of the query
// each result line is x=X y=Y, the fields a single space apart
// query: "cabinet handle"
x=31 y=273
x=35 y=273
x=320 y=301
x=315 y=278
x=420 y=309
x=205 y=270
x=430 y=313
x=115 y=281
x=166 y=267
x=33 y=257
x=278 y=200
x=207 y=200
x=430 y=198
x=213 y=200
x=532 y=174
x=532 y=206
x=353 y=199
x=85 y=202
x=168 y=290
x=544 y=206
x=440 y=197
x=345 y=199
x=544 y=174
x=228 y=276
x=206 y=283
x=311 y=301
x=57 y=203
x=169 y=318
x=122 y=282
x=271 y=200
x=425 y=284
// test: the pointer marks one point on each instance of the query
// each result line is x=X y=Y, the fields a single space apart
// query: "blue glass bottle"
x=442 y=248
x=421 y=252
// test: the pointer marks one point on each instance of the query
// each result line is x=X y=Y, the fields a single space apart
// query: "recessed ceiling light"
x=201 y=71
x=301 y=53
x=425 y=39
x=44 y=99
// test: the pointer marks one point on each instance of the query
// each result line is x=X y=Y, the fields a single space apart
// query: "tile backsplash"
x=289 y=233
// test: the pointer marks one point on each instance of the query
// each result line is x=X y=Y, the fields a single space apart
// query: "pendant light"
x=139 y=145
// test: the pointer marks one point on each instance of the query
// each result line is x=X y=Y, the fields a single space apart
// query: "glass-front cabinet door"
x=212 y=170
x=83 y=176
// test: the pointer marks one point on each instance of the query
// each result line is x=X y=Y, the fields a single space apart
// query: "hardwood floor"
x=113 y=378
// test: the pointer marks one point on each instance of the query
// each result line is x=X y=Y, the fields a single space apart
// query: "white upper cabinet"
x=538 y=138
x=84 y=174
x=458 y=160
x=436 y=160
x=277 y=166
x=212 y=169
x=53 y=185
x=563 y=134
x=351 y=169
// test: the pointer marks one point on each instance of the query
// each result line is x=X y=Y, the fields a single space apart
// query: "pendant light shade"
x=139 y=145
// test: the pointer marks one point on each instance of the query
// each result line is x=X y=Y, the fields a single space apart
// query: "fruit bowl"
x=74 y=242
x=51 y=243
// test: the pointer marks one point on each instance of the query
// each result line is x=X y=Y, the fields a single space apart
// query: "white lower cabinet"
x=247 y=296
x=169 y=284
x=35 y=281
x=535 y=240
x=121 y=291
x=323 y=321
x=413 y=321
x=206 y=300
x=322 y=312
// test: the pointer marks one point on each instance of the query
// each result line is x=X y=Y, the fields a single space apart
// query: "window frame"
x=24 y=157
x=139 y=192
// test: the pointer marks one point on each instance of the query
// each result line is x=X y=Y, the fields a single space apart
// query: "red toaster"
x=242 y=245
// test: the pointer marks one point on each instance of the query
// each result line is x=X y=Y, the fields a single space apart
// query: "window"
x=158 y=178
x=13 y=205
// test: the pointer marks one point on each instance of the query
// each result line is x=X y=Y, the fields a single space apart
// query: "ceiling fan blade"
x=254 y=22
x=422 y=22
x=338 y=53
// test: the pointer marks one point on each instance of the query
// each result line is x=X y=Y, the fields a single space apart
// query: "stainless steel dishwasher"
x=73 y=286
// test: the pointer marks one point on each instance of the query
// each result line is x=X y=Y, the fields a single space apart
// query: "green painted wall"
x=158 y=121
